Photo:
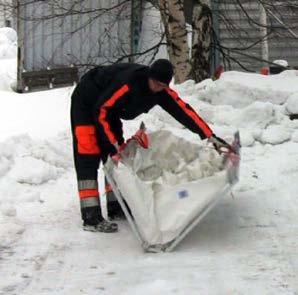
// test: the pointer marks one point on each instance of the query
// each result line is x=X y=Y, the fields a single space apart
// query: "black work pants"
x=86 y=151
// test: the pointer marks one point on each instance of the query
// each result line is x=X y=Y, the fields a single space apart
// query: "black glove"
x=106 y=151
x=219 y=143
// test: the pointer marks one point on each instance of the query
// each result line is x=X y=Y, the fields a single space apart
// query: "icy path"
x=244 y=246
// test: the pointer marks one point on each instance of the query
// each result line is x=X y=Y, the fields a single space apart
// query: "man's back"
x=117 y=74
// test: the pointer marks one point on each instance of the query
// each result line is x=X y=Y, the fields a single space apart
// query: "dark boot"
x=114 y=210
x=93 y=221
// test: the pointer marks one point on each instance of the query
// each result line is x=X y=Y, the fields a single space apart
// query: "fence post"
x=263 y=31
x=20 y=55
x=215 y=60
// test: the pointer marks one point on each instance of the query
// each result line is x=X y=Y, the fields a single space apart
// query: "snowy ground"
x=245 y=245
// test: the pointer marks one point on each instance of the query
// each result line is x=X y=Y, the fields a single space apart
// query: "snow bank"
x=25 y=160
x=38 y=173
x=246 y=102
x=26 y=165
x=39 y=114
x=240 y=89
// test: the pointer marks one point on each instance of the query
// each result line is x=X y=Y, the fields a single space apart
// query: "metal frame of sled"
x=232 y=162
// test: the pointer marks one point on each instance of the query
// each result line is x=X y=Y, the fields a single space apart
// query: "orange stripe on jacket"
x=103 y=112
x=88 y=193
x=197 y=119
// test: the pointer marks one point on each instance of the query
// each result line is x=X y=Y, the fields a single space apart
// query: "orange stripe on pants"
x=87 y=142
x=88 y=193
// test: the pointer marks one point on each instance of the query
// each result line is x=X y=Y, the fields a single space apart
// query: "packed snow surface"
x=245 y=245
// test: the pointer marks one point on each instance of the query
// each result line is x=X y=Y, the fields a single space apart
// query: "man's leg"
x=113 y=207
x=87 y=158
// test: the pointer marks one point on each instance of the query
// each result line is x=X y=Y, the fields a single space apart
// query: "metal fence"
x=65 y=33
x=245 y=40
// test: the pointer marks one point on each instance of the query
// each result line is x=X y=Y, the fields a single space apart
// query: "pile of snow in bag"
x=167 y=185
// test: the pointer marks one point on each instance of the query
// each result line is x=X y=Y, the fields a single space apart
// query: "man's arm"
x=104 y=115
x=184 y=114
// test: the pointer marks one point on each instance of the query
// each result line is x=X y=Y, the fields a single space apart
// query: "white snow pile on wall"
x=240 y=89
x=8 y=43
x=8 y=57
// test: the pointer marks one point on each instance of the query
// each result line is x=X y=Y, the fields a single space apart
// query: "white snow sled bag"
x=167 y=189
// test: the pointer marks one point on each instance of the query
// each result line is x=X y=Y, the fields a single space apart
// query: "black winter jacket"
x=122 y=92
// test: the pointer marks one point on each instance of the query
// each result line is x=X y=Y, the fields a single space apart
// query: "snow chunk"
x=275 y=134
x=256 y=115
x=33 y=171
x=204 y=85
x=292 y=104
x=186 y=88
x=247 y=138
x=281 y=62
x=295 y=136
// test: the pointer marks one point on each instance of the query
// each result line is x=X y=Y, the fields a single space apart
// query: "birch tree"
x=201 y=40
x=190 y=60
x=172 y=14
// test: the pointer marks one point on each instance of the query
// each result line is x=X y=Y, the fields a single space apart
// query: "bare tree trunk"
x=264 y=33
x=201 y=40
x=172 y=14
